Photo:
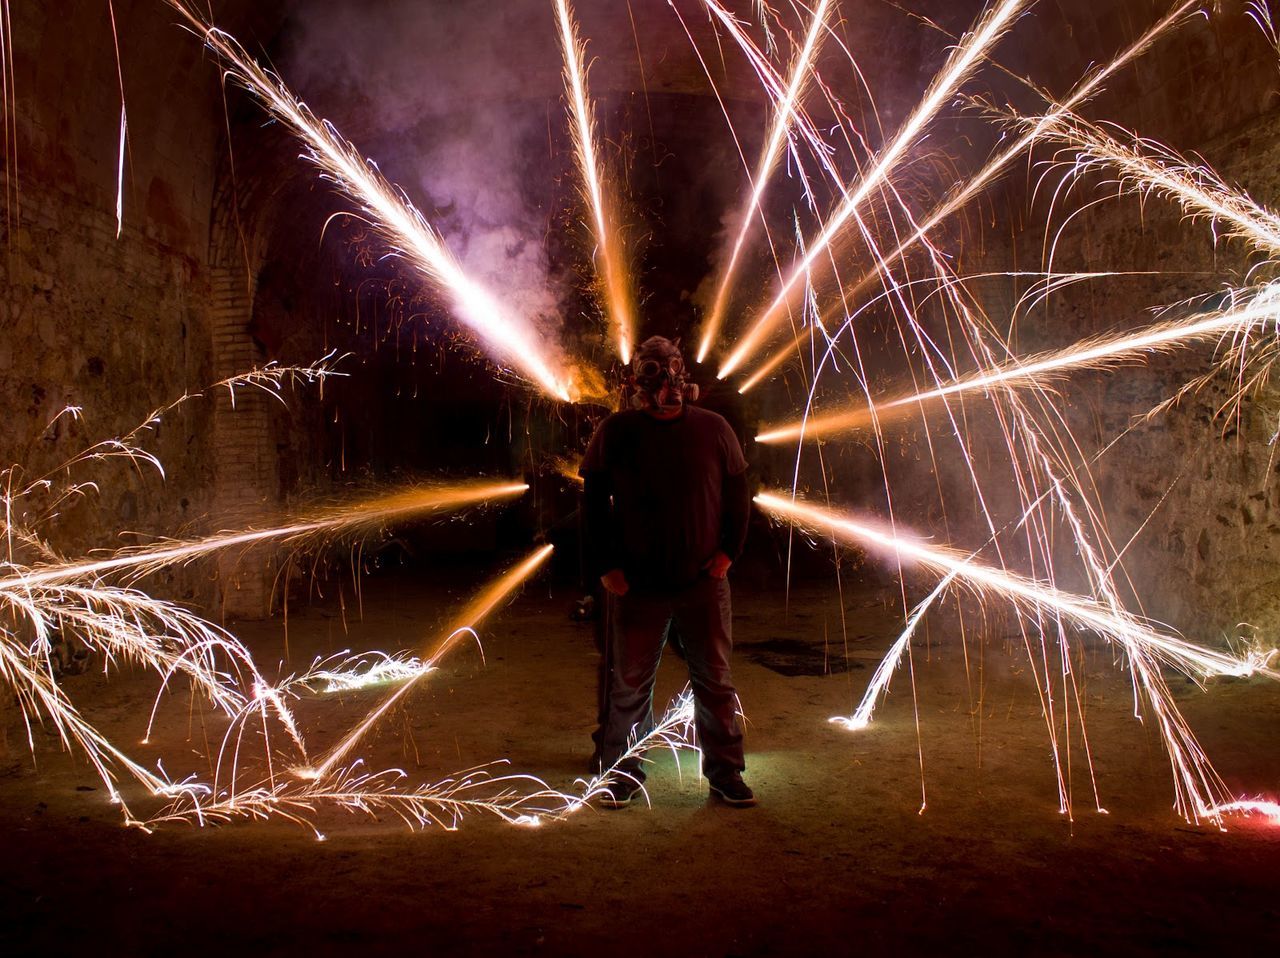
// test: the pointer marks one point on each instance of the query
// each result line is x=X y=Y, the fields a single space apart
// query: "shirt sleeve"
x=598 y=551
x=597 y=491
x=735 y=496
x=593 y=460
x=735 y=463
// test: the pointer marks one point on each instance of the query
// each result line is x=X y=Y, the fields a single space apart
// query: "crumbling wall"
x=117 y=326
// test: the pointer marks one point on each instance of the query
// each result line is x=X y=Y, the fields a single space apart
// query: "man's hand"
x=718 y=567
x=615 y=582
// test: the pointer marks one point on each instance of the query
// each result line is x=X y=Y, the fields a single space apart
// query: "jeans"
x=636 y=631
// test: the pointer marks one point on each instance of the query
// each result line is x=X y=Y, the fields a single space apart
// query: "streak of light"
x=971 y=50
x=784 y=112
x=609 y=251
x=879 y=684
x=401 y=225
x=443 y=803
x=349 y=673
x=1199 y=790
x=970 y=188
x=9 y=107
x=463 y=625
x=674 y=731
x=788 y=351
x=1192 y=659
x=1254 y=806
x=1090 y=354
x=379 y=509
x=124 y=123
x=1148 y=167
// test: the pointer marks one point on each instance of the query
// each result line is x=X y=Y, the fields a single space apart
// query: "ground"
x=838 y=858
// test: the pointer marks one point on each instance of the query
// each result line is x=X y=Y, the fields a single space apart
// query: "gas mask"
x=658 y=376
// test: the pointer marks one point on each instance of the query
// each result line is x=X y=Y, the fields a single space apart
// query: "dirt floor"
x=837 y=859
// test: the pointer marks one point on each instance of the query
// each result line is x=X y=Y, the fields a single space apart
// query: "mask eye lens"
x=649 y=369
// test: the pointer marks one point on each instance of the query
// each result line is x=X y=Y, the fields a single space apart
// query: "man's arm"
x=737 y=514
x=595 y=522
x=601 y=561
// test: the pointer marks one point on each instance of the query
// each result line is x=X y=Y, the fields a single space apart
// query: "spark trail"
x=972 y=187
x=784 y=113
x=959 y=66
x=396 y=219
x=1091 y=354
x=879 y=683
x=443 y=803
x=352 y=518
x=464 y=625
x=1147 y=167
x=1189 y=658
x=610 y=255
x=1199 y=791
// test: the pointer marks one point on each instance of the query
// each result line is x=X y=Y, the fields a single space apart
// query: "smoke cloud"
x=451 y=100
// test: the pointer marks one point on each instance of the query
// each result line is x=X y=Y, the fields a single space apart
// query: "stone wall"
x=1194 y=486
x=116 y=325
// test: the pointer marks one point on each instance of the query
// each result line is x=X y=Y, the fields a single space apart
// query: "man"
x=666 y=505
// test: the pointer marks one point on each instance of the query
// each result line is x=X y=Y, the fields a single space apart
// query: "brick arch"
x=254 y=170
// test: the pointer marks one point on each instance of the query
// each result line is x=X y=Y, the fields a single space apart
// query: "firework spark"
x=401 y=225
x=960 y=64
x=1199 y=791
x=879 y=683
x=516 y=799
x=1146 y=167
x=784 y=113
x=344 y=672
x=971 y=187
x=610 y=256
x=371 y=513
x=464 y=625
x=1191 y=659
x=1249 y=321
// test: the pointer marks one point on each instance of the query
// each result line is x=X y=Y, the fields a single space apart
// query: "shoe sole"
x=615 y=803
x=735 y=802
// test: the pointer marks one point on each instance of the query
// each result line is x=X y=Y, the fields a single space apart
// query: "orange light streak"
x=784 y=116
x=1090 y=354
x=402 y=226
x=463 y=625
x=1199 y=790
x=979 y=181
x=376 y=510
x=964 y=58
x=1084 y=612
x=610 y=257
x=788 y=351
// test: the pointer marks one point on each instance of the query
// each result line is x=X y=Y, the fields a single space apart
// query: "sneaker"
x=620 y=793
x=734 y=792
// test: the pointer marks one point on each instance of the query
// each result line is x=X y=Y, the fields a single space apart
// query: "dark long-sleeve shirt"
x=662 y=497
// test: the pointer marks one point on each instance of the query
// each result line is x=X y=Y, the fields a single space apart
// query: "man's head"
x=658 y=378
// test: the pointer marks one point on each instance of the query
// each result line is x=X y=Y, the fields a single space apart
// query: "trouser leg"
x=602 y=630
x=638 y=626
x=703 y=614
